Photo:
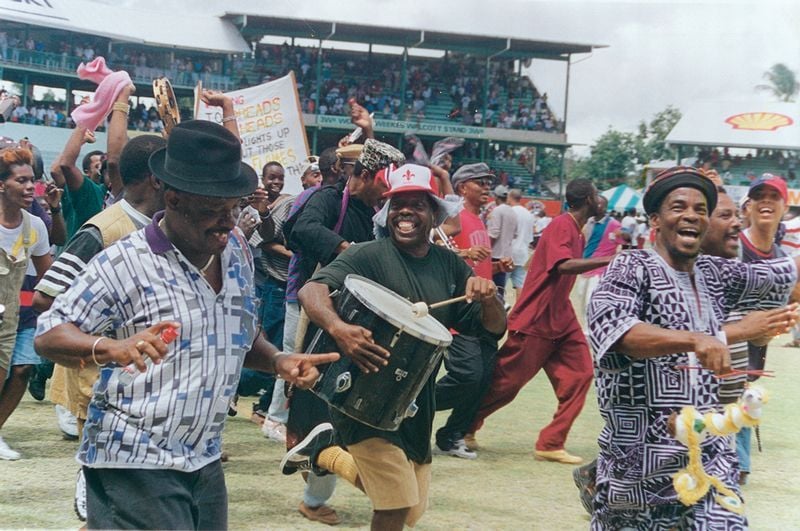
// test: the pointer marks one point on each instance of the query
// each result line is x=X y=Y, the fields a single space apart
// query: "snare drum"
x=380 y=399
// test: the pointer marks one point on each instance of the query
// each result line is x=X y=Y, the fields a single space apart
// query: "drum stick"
x=448 y=301
x=420 y=309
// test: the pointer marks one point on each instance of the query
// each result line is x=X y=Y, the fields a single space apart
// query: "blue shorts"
x=518 y=276
x=23 y=349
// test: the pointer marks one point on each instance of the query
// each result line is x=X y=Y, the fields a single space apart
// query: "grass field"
x=503 y=489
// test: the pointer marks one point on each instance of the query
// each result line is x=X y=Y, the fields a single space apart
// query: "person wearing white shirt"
x=520 y=246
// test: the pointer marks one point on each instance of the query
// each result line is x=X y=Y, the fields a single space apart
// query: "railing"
x=68 y=64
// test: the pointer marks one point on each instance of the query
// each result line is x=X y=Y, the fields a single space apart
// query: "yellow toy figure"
x=691 y=428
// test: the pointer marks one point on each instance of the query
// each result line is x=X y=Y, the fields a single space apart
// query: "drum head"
x=397 y=310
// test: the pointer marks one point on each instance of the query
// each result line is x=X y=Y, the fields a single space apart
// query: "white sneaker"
x=80 y=496
x=459 y=449
x=67 y=422
x=274 y=430
x=7 y=453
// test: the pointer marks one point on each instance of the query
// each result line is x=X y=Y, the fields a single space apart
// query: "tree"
x=612 y=159
x=651 y=137
x=782 y=82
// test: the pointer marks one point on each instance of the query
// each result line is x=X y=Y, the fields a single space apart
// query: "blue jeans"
x=319 y=489
x=743 y=448
x=273 y=295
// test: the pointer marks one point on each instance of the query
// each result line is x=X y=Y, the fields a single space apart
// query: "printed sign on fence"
x=270 y=124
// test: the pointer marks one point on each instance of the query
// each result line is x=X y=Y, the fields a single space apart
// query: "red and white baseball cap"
x=409 y=178
x=773 y=181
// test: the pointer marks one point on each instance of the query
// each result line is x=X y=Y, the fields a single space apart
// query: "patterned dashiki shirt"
x=638 y=457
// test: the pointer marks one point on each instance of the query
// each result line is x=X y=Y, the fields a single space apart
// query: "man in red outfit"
x=543 y=331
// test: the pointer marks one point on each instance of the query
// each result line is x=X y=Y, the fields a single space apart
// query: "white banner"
x=271 y=126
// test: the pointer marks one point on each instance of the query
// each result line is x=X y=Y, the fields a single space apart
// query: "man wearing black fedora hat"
x=169 y=314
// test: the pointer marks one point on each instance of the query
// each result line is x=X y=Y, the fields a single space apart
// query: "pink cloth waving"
x=110 y=84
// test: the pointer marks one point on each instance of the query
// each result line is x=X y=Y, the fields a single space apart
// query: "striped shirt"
x=81 y=248
x=172 y=415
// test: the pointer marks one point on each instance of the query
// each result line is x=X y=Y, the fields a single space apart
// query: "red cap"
x=773 y=181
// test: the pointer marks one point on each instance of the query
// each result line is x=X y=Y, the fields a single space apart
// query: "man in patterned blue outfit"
x=653 y=311
x=151 y=444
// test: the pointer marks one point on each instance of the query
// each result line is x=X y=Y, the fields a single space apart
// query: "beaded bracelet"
x=228 y=119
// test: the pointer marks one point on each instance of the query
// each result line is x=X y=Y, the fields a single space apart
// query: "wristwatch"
x=55 y=210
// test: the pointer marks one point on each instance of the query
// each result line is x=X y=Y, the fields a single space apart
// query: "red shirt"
x=543 y=308
x=473 y=233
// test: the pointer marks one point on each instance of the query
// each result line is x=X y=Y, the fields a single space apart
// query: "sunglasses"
x=482 y=181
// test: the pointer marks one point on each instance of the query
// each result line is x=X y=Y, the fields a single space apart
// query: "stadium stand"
x=475 y=89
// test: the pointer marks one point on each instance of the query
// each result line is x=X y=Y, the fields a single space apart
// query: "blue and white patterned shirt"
x=172 y=415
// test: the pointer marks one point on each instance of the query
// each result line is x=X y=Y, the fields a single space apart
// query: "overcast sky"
x=659 y=53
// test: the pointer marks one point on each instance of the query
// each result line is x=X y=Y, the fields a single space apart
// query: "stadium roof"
x=739 y=124
x=181 y=30
x=255 y=26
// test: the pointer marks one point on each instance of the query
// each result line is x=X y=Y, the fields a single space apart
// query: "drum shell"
x=378 y=399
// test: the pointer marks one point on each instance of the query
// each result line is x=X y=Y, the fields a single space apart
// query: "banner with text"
x=270 y=124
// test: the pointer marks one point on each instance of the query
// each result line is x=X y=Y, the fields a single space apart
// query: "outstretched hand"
x=762 y=326
x=300 y=369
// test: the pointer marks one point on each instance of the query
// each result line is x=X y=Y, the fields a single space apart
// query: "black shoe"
x=304 y=455
x=36 y=386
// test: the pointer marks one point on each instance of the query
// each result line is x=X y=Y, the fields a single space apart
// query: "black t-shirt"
x=438 y=276
x=313 y=234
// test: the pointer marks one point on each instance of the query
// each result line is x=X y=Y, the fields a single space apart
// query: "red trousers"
x=568 y=365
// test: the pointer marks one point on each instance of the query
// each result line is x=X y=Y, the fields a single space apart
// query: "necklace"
x=210 y=258
x=208 y=264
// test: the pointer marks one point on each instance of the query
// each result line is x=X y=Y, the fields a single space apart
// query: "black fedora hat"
x=204 y=158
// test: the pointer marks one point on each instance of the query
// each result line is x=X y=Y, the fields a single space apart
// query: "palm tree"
x=782 y=84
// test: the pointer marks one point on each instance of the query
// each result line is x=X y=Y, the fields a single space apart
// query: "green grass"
x=503 y=489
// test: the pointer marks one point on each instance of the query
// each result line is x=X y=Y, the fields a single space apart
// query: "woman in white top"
x=23 y=244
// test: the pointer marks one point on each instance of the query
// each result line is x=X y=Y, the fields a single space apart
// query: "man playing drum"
x=393 y=467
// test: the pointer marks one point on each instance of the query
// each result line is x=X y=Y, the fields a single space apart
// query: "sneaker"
x=80 y=496
x=303 y=456
x=7 y=453
x=322 y=514
x=67 y=423
x=459 y=449
x=274 y=431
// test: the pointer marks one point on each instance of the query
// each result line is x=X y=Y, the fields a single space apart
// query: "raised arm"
x=117 y=138
x=215 y=98
x=68 y=160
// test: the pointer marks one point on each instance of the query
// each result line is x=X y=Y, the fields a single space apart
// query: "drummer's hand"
x=480 y=289
x=300 y=369
x=357 y=344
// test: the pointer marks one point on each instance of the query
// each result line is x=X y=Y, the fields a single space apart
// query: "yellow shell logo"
x=759 y=121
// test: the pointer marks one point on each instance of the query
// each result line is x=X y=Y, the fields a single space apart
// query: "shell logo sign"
x=759 y=121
